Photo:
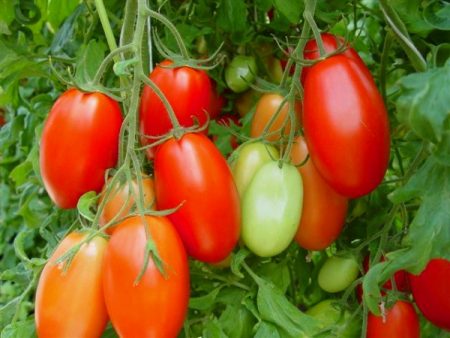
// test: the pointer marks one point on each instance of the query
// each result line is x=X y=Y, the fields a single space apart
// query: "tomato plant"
x=179 y=85
x=240 y=73
x=399 y=321
x=352 y=156
x=250 y=158
x=70 y=302
x=146 y=307
x=269 y=105
x=324 y=210
x=208 y=217
x=337 y=273
x=79 y=143
x=431 y=292
x=271 y=209
x=122 y=198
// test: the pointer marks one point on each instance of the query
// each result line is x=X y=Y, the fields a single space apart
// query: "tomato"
x=324 y=210
x=346 y=126
x=330 y=44
x=79 y=142
x=217 y=103
x=337 y=273
x=271 y=209
x=246 y=101
x=432 y=293
x=121 y=200
x=251 y=157
x=2 y=117
x=329 y=315
x=401 y=321
x=71 y=304
x=267 y=106
x=192 y=173
x=156 y=306
x=189 y=92
x=240 y=73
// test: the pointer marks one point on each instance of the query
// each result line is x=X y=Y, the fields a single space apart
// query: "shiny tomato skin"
x=192 y=171
x=267 y=106
x=189 y=92
x=121 y=195
x=401 y=321
x=346 y=126
x=432 y=293
x=324 y=210
x=156 y=306
x=330 y=43
x=271 y=209
x=71 y=304
x=79 y=142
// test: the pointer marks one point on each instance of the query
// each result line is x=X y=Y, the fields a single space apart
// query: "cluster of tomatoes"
x=139 y=278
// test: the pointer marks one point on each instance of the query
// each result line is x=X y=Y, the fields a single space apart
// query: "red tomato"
x=157 y=305
x=324 y=210
x=188 y=91
x=432 y=293
x=330 y=43
x=267 y=106
x=121 y=200
x=401 y=321
x=217 y=103
x=346 y=126
x=192 y=172
x=2 y=117
x=79 y=142
x=71 y=304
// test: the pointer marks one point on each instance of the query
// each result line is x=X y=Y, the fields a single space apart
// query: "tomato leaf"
x=267 y=330
x=23 y=329
x=86 y=204
x=88 y=61
x=237 y=321
x=204 y=302
x=232 y=18
x=290 y=9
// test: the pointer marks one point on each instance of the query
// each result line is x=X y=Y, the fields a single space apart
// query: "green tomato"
x=271 y=209
x=250 y=158
x=338 y=273
x=328 y=314
x=240 y=73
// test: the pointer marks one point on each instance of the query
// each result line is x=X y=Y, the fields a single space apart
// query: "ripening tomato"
x=271 y=209
x=71 y=304
x=432 y=293
x=324 y=210
x=191 y=173
x=346 y=126
x=121 y=200
x=267 y=106
x=400 y=321
x=330 y=44
x=80 y=140
x=337 y=273
x=251 y=157
x=189 y=92
x=155 y=306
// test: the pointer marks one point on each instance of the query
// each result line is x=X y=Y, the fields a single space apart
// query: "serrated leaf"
x=423 y=104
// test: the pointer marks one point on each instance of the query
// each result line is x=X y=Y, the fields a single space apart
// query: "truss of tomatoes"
x=265 y=202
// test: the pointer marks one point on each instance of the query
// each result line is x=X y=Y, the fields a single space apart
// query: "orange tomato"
x=121 y=200
x=266 y=107
x=156 y=306
x=324 y=210
x=71 y=304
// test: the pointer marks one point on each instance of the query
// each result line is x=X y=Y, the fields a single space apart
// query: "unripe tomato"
x=324 y=210
x=155 y=306
x=240 y=73
x=251 y=157
x=400 y=321
x=121 y=200
x=346 y=126
x=71 y=304
x=80 y=141
x=267 y=106
x=271 y=209
x=191 y=173
x=432 y=293
x=337 y=273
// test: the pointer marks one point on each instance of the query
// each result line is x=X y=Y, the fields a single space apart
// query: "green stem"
x=101 y=10
x=129 y=20
x=308 y=14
